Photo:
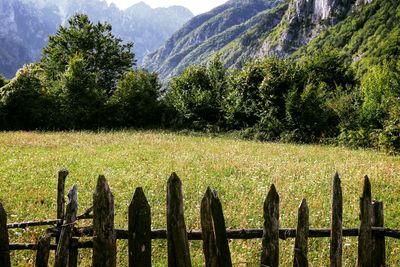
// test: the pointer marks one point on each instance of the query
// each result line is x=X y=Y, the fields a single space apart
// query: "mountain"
x=23 y=32
x=26 y=24
x=243 y=30
x=208 y=33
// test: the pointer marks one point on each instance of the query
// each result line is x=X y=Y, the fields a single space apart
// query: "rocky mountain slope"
x=23 y=32
x=210 y=32
x=26 y=24
x=259 y=28
x=370 y=35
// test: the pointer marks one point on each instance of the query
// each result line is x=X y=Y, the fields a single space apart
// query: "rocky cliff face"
x=303 y=21
x=23 y=32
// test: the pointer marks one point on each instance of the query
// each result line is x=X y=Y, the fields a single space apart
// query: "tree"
x=81 y=101
x=198 y=94
x=380 y=91
x=107 y=58
x=329 y=67
x=135 y=100
x=25 y=102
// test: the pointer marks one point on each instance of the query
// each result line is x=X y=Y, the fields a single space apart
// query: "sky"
x=196 y=6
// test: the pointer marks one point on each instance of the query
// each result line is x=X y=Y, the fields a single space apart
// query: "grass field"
x=241 y=171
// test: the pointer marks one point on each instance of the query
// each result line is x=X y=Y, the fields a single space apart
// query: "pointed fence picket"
x=214 y=234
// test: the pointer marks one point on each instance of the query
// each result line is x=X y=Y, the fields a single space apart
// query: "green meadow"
x=241 y=171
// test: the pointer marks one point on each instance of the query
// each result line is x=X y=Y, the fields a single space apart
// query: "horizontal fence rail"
x=64 y=236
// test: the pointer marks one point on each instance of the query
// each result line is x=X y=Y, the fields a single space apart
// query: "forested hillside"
x=208 y=33
x=363 y=30
x=368 y=37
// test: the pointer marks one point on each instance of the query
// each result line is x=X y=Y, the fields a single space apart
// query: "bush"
x=389 y=137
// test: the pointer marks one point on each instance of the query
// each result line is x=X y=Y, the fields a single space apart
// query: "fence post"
x=365 y=235
x=215 y=242
x=104 y=237
x=4 y=240
x=73 y=253
x=270 y=242
x=139 y=231
x=336 y=223
x=178 y=244
x=43 y=251
x=379 y=249
x=62 y=253
x=301 y=242
x=62 y=175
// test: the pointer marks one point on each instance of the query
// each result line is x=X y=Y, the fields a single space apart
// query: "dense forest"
x=85 y=80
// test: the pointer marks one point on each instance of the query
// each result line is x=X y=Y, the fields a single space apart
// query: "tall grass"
x=241 y=171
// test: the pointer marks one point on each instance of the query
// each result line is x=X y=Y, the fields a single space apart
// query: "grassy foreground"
x=241 y=171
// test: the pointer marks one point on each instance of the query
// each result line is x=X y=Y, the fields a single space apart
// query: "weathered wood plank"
x=62 y=175
x=43 y=251
x=336 y=223
x=22 y=225
x=4 y=239
x=284 y=233
x=73 y=253
x=379 y=248
x=301 y=241
x=178 y=244
x=139 y=231
x=104 y=240
x=221 y=240
x=270 y=242
x=365 y=237
x=62 y=253
x=207 y=231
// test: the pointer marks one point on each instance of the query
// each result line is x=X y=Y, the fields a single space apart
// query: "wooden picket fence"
x=371 y=233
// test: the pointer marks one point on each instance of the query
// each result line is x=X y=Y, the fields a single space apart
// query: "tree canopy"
x=106 y=56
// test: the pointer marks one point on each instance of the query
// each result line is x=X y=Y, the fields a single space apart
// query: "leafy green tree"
x=198 y=94
x=106 y=56
x=25 y=103
x=380 y=91
x=328 y=67
x=256 y=96
x=81 y=101
x=308 y=117
x=136 y=100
